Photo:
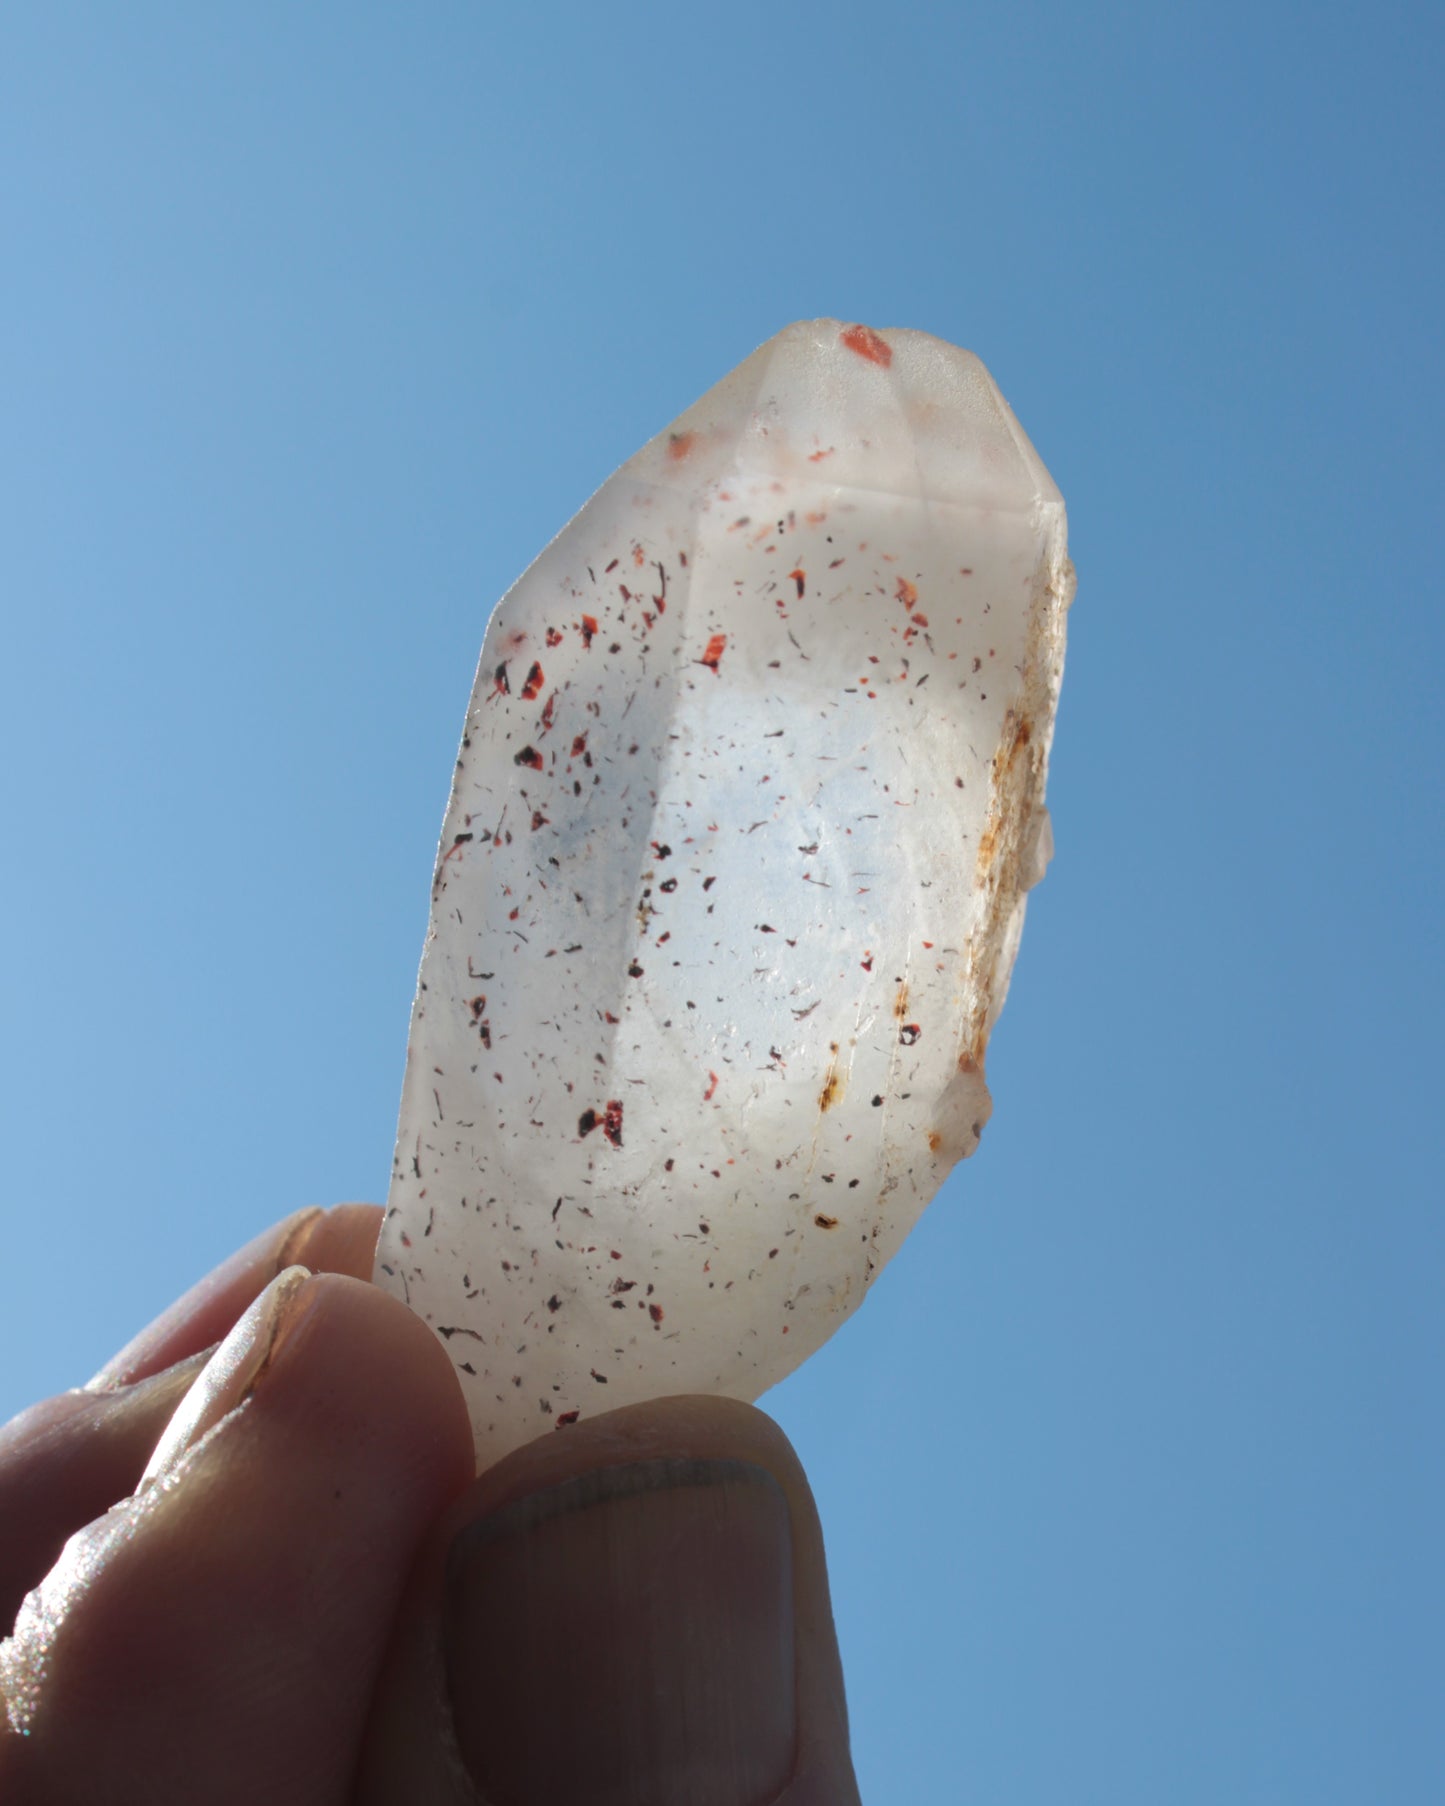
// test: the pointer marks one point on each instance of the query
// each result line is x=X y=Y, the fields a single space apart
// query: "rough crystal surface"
x=730 y=884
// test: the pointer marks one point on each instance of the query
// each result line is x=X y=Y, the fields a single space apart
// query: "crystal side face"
x=730 y=884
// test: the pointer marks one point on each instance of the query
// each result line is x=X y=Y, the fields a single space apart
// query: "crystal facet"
x=730 y=884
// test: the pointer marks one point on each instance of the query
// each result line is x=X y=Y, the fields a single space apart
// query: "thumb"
x=634 y=1612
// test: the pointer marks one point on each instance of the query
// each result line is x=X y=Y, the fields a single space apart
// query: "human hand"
x=263 y=1572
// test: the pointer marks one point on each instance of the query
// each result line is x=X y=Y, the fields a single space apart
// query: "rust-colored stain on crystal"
x=832 y=1084
x=1017 y=736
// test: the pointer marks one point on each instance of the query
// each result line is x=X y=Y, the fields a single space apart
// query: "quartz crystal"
x=730 y=884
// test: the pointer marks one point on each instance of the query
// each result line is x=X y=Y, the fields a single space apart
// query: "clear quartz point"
x=749 y=796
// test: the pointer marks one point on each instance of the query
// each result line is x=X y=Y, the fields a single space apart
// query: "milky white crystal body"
x=730 y=884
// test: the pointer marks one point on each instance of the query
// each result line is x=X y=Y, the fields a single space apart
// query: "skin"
x=259 y=1618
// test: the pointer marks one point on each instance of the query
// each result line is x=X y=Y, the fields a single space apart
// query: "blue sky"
x=317 y=322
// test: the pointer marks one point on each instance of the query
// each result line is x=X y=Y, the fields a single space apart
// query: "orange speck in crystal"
x=867 y=343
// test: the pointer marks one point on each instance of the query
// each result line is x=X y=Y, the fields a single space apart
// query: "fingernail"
x=232 y=1373
x=203 y=1314
x=626 y=1639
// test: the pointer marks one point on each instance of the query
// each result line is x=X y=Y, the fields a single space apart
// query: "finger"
x=68 y=1459
x=341 y=1240
x=634 y=1611
x=218 y=1636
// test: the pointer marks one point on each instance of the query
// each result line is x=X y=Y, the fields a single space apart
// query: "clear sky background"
x=317 y=321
